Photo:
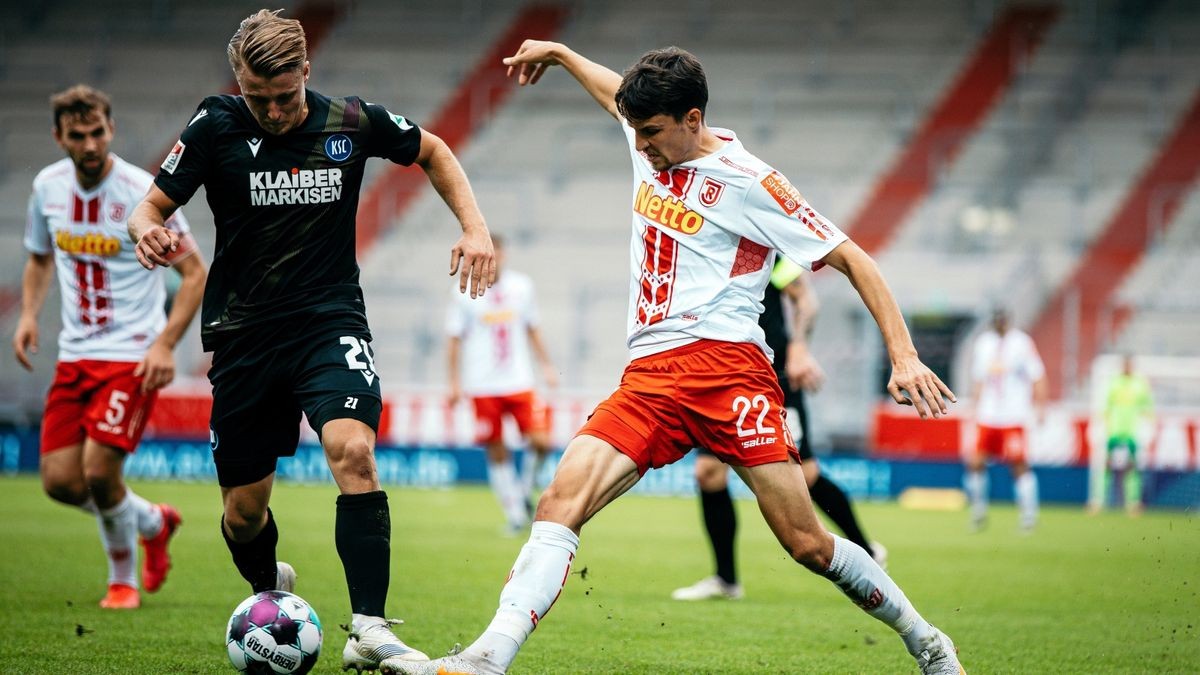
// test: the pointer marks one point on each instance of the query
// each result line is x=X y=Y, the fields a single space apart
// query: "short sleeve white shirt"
x=494 y=329
x=704 y=240
x=112 y=307
x=1006 y=366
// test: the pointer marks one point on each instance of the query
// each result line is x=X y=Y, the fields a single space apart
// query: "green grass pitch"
x=1081 y=595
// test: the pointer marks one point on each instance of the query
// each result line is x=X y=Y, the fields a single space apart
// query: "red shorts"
x=722 y=396
x=530 y=412
x=1004 y=443
x=100 y=400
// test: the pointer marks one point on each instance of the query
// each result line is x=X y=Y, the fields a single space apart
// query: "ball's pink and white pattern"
x=273 y=632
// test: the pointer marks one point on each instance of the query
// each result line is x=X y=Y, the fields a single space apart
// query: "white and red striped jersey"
x=1005 y=367
x=705 y=235
x=494 y=328
x=112 y=307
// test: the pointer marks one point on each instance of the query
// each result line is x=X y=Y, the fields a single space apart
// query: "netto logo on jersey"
x=298 y=186
x=92 y=243
x=671 y=212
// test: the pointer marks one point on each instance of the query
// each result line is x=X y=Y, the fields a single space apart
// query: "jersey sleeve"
x=37 y=229
x=784 y=273
x=178 y=224
x=1037 y=369
x=456 y=318
x=186 y=166
x=530 y=315
x=779 y=217
x=392 y=137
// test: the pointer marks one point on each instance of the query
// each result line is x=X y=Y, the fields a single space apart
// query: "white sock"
x=976 y=484
x=531 y=464
x=149 y=518
x=534 y=584
x=118 y=533
x=502 y=476
x=1026 y=489
x=869 y=587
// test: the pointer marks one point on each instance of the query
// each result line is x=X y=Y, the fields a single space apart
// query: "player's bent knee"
x=65 y=492
x=558 y=506
x=810 y=550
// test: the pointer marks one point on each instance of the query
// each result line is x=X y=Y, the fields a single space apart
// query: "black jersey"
x=774 y=324
x=284 y=206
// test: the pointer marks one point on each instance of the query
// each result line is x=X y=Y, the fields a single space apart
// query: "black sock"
x=364 y=542
x=255 y=559
x=721 y=522
x=836 y=505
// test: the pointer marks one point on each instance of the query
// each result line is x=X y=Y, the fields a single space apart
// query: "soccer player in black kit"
x=283 y=311
x=797 y=372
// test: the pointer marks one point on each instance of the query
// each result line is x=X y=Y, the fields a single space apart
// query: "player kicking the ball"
x=114 y=351
x=708 y=220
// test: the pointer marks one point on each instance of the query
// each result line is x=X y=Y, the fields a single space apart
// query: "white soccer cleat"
x=455 y=664
x=880 y=554
x=709 y=588
x=372 y=644
x=938 y=656
x=285 y=577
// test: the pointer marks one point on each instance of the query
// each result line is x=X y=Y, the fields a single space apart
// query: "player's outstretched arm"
x=157 y=368
x=35 y=283
x=535 y=56
x=154 y=243
x=921 y=387
x=472 y=258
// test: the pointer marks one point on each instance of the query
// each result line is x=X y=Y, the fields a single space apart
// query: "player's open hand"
x=25 y=341
x=913 y=383
x=532 y=60
x=157 y=369
x=155 y=246
x=473 y=259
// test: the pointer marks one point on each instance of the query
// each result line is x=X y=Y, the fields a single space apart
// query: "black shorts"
x=262 y=382
x=794 y=400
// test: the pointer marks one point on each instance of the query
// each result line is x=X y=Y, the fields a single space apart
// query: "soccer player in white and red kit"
x=1009 y=388
x=491 y=339
x=708 y=220
x=116 y=341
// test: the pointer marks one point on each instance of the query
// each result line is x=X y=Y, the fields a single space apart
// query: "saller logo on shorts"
x=298 y=186
x=670 y=211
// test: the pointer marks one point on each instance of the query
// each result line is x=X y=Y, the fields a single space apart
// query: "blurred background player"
x=490 y=340
x=797 y=372
x=1009 y=388
x=700 y=374
x=283 y=309
x=1128 y=405
x=115 y=348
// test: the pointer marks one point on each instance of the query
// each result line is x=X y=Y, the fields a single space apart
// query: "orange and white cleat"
x=121 y=596
x=157 y=560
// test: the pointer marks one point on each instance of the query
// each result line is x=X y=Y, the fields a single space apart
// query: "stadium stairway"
x=1158 y=195
x=1015 y=35
x=469 y=107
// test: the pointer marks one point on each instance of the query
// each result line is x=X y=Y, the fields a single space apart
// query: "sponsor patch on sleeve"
x=172 y=161
x=399 y=121
x=782 y=191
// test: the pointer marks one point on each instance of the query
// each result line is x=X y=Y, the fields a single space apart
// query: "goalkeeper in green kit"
x=1127 y=404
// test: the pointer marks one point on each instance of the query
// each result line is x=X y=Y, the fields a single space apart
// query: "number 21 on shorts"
x=359 y=347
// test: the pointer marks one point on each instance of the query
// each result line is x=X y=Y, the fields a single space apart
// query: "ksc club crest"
x=337 y=147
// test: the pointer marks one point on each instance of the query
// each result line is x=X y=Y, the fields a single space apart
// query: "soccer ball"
x=273 y=632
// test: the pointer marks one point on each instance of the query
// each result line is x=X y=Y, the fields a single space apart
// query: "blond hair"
x=79 y=103
x=267 y=44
